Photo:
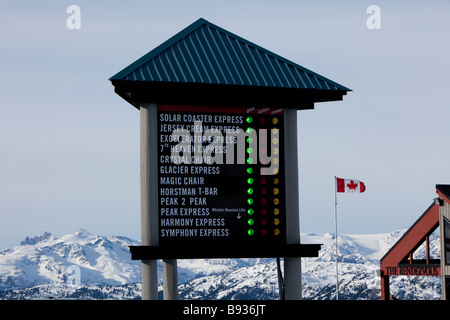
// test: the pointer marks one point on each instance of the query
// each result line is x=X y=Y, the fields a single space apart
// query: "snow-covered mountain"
x=83 y=265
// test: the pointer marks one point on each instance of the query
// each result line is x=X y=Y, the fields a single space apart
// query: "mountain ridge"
x=105 y=270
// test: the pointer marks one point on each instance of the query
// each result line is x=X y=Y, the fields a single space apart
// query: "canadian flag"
x=349 y=185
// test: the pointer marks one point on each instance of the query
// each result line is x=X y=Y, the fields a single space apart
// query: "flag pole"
x=336 y=236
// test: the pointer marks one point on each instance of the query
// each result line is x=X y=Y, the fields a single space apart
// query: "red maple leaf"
x=352 y=185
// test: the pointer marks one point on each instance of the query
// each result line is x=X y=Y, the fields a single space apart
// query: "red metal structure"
x=399 y=259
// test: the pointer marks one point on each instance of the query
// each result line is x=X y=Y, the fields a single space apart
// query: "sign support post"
x=292 y=265
x=149 y=210
x=170 y=279
x=149 y=197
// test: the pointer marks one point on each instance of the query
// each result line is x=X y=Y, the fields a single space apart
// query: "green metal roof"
x=205 y=54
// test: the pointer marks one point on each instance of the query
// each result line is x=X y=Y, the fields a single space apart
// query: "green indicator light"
x=249 y=130
x=250 y=191
x=249 y=170
x=249 y=119
x=249 y=160
x=251 y=232
x=249 y=139
x=250 y=201
x=250 y=180
x=250 y=211
x=250 y=222
x=249 y=150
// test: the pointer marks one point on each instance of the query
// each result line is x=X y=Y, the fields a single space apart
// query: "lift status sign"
x=221 y=176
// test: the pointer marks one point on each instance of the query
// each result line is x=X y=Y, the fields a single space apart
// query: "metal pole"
x=292 y=266
x=149 y=197
x=336 y=237
x=170 y=279
x=280 y=280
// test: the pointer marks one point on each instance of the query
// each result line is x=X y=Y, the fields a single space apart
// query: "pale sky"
x=69 y=146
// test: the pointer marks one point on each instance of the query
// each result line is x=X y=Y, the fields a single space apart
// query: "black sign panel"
x=221 y=176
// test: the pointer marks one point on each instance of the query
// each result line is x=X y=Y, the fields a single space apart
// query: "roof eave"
x=138 y=92
x=444 y=191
